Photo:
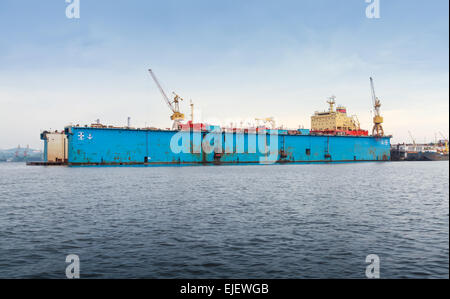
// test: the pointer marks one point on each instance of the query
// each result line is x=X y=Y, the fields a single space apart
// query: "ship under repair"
x=334 y=137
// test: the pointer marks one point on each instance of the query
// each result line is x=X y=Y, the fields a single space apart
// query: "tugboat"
x=435 y=156
x=438 y=154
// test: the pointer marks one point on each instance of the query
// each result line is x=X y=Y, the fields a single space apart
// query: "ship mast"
x=332 y=102
x=192 y=112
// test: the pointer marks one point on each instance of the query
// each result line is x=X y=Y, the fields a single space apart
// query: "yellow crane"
x=446 y=143
x=177 y=117
x=378 y=119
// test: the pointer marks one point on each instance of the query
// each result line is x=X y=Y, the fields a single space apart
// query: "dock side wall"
x=126 y=146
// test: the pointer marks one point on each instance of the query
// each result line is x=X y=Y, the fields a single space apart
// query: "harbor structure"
x=334 y=137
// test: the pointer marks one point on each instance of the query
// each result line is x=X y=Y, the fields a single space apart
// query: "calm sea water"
x=281 y=221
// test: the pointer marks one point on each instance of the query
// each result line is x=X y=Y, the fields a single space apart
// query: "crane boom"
x=177 y=116
x=374 y=97
x=162 y=91
x=412 y=138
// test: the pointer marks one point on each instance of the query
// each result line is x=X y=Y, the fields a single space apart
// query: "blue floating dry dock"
x=126 y=146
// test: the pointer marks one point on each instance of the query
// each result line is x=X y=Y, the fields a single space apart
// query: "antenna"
x=332 y=102
x=192 y=112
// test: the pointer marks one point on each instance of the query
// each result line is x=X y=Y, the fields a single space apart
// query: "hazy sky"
x=235 y=59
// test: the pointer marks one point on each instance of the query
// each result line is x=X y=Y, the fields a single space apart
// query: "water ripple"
x=282 y=221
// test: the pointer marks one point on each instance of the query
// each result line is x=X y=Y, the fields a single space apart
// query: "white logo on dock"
x=215 y=140
x=81 y=136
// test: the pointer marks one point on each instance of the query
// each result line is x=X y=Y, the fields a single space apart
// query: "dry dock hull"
x=47 y=163
x=121 y=146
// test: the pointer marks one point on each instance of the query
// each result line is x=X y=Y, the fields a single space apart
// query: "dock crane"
x=446 y=143
x=378 y=119
x=177 y=117
x=412 y=138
